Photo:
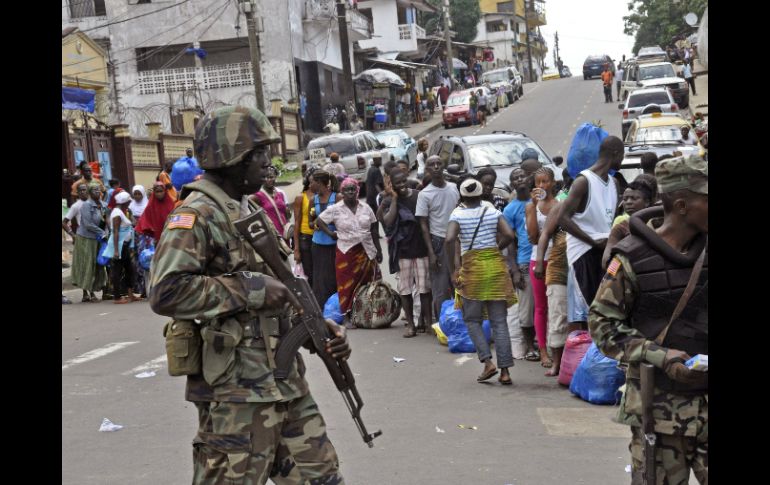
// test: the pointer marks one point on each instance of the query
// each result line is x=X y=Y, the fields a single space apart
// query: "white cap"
x=470 y=188
x=122 y=198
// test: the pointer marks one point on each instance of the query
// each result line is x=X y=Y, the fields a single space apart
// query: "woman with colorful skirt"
x=358 y=251
x=480 y=275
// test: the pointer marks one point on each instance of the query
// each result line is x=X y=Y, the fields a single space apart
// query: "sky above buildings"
x=586 y=27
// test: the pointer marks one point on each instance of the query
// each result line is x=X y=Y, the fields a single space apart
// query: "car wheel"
x=521 y=91
x=624 y=131
x=496 y=109
x=585 y=78
x=446 y=126
x=510 y=97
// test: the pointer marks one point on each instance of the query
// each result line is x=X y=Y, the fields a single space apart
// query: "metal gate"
x=89 y=140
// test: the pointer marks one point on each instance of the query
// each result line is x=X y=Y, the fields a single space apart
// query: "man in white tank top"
x=588 y=214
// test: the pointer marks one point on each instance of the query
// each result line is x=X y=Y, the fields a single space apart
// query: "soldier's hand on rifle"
x=675 y=368
x=338 y=345
x=277 y=295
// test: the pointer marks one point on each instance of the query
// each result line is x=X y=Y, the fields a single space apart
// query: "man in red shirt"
x=443 y=94
x=607 y=80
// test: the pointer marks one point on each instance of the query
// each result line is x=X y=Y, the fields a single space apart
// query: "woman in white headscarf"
x=139 y=202
x=141 y=241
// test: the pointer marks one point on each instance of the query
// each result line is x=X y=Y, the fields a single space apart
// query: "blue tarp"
x=76 y=98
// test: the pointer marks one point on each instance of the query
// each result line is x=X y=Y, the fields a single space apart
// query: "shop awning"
x=419 y=65
x=379 y=76
x=390 y=62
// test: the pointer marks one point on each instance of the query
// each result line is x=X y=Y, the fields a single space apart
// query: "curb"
x=427 y=131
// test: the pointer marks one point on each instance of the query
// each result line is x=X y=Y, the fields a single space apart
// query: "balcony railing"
x=183 y=79
x=410 y=31
x=324 y=10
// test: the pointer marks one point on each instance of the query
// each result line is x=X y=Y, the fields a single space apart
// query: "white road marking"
x=95 y=354
x=147 y=366
x=103 y=314
x=462 y=359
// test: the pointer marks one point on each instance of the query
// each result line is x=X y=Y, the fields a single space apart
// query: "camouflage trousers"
x=674 y=457
x=247 y=443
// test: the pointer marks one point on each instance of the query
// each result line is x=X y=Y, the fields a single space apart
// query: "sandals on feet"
x=487 y=375
x=532 y=356
x=410 y=332
x=547 y=363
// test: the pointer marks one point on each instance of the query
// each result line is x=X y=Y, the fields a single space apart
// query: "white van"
x=508 y=77
x=654 y=74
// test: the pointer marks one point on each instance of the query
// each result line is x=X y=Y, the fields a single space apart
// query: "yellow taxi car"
x=550 y=74
x=659 y=133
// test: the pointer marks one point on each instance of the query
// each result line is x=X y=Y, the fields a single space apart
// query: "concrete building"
x=503 y=27
x=164 y=58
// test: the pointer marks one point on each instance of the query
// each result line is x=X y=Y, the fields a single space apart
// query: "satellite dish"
x=691 y=19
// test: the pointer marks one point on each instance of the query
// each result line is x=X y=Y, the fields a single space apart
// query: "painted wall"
x=385 y=24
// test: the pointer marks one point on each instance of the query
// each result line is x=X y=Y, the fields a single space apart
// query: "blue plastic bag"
x=584 y=150
x=332 y=309
x=452 y=324
x=597 y=378
x=102 y=260
x=183 y=172
x=145 y=257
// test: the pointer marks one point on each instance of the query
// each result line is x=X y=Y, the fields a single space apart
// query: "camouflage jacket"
x=609 y=321
x=202 y=270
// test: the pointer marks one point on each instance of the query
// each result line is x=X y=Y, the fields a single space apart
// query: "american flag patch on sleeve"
x=614 y=266
x=181 y=221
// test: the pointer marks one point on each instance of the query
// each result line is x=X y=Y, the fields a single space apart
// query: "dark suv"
x=501 y=150
x=594 y=66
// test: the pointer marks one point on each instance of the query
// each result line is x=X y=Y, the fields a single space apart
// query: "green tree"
x=465 y=15
x=657 y=22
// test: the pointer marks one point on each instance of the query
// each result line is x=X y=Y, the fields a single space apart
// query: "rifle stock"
x=309 y=326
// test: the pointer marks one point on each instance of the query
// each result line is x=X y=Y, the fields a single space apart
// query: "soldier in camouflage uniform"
x=251 y=426
x=636 y=299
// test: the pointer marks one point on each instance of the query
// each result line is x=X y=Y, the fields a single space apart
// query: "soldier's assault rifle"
x=308 y=328
x=647 y=384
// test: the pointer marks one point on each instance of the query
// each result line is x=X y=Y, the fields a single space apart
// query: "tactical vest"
x=662 y=274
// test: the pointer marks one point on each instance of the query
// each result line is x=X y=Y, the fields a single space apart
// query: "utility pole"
x=449 y=58
x=344 y=48
x=249 y=6
x=526 y=26
x=556 y=41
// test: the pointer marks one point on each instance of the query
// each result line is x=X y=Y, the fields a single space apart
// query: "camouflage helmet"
x=225 y=134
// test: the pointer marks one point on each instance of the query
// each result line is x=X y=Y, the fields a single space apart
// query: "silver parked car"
x=400 y=144
x=348 y=145
x=644 y=102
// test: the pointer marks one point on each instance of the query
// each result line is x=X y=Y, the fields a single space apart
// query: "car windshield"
x=343 y=146
x=643 y=99
x=457 y=100
x=655 y=72
x=595 y=60
x=658 y=133
x=495 y=77
x=501 y=153
x=390 y=141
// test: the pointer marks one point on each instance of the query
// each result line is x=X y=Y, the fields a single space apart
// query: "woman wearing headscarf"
x=324 y=246
x=358 y=252
x=141 y=242
x=154 y=216
x=481 y=279
x=86 y=273
x=273 y=201
x=120 y=248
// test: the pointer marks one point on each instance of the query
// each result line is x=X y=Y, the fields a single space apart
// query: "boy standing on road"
x=607 y=80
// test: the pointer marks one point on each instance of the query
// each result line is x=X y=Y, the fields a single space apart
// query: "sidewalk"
x=702 y=85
